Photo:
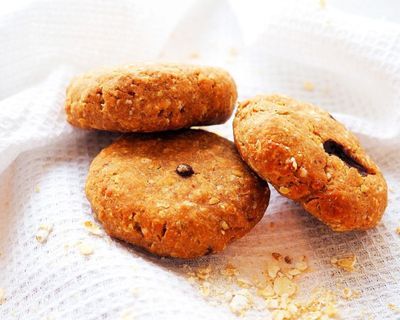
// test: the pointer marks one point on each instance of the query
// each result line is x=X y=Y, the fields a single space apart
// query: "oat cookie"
x=311 y=158
x=150 y=97
x=181 y=194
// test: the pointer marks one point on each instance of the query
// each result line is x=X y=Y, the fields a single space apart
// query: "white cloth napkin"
x=347 y=64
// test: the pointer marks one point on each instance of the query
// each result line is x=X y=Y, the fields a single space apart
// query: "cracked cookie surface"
x=181 y=194
x=150 y=97
x=311 y=158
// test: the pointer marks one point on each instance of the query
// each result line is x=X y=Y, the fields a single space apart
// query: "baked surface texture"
x=180 y=194
x=311 y=158
x=150 y=98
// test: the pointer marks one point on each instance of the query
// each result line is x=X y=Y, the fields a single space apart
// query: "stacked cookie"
x=182 y=193
x=186 y=193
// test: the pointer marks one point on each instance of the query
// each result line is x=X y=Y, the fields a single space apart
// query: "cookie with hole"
x=180 y=194
x=311 y=158
x=150 y=98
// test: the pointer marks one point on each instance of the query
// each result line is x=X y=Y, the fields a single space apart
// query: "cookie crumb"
x=205 y=288
x=203 y=273
x=240 y=302
x=2 y=296
x=233 y=52
x=398 y=230
x=194 y=55
x=308 y=86
x=43 y=232
x=275 y=295
x=229 y=270
x=92 y=228
x=350 y=294
x=85 y=249
x=224 y=225
x=394 y=307
x=127 y=315
x=272 y=270
x=283 y=285
x=302 y=264
x=134 y=292
x=347 y=263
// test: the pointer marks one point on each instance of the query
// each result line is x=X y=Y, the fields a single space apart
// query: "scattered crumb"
x=2 y=296
x=233 y=52
x=92 y=228
x=302 y=264
x=347 y=263
x=398 y=230
x=85 y=249
x=43 y=232
x=203 y=273
x=308 y=86
x=284 y=286
x=241 y=302
x=229 y=270
x=350 y=294
x=194 y=55
x=394 y=307
x=272 y=270
x=127 y=315
x=243 y=283
x=134 y=292
x=205 y=288
x=273 y=290
x=37 y=189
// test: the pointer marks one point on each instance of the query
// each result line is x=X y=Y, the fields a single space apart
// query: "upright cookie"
x=150 y=97
x=183 y=194
x=311 y=158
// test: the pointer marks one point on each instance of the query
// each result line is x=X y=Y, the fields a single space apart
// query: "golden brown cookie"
x=150 y=97
x=311 y=158
x=183 y=194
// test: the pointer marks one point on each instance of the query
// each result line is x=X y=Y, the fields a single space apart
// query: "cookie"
x=311 y=158
x=180 y=194
x=150 y=98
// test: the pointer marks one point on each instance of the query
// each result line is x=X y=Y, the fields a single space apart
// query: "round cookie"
x=150 y=97
x=311 y=158
x=182 y=194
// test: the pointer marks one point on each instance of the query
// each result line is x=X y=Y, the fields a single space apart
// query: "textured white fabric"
x=353 y=62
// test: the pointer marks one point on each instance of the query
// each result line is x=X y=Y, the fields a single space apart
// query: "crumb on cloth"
x=43 y=232
x=347 y=263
